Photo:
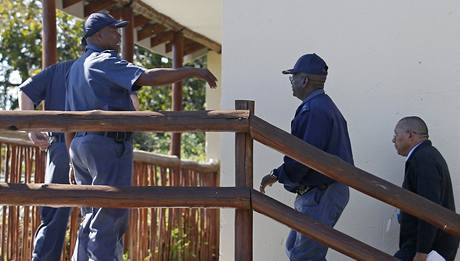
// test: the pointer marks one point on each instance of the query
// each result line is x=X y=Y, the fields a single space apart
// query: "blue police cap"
x=310 y=64
x=99 y=20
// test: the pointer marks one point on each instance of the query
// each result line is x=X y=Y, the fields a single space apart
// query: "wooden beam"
x=125 y=121
x=21 y=138
x=96 y=6
x=189 y=49
x=127 y=36
x=67 y=3
x=140 y=20
x=339 y=170
x=149 y=30
x=177 y=62
x=49 y=37
x=244 y=179
x=175 y=162
x=168 y=47
x=141 y=8
x=314 y=229
x=160 y=38
x=59 y=195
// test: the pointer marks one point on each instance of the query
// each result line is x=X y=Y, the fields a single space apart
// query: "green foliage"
x=21 y=57
x=159 y=99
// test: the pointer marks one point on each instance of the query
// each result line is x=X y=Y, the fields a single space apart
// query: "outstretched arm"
x=161 y=76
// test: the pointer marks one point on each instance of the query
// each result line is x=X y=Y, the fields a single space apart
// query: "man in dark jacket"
x=426 y=174
x=319 y=122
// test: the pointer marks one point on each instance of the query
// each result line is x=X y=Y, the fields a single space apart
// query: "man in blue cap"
x=49 y=86
x=101 y=80
x=319 y=122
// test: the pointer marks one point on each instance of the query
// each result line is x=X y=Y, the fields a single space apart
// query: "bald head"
x=409 y=132
x=413 y=124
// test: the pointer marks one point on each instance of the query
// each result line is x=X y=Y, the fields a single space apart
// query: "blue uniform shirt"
x=319 y=122
x=48 y=85
x=101 y=80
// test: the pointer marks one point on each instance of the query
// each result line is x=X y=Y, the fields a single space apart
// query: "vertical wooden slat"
x=243 y=178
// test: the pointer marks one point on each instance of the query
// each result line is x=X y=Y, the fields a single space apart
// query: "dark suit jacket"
x=427 y=175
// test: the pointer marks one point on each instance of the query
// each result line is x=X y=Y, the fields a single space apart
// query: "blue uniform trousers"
x=49 y=237
x=99 y=160
x=325 y=206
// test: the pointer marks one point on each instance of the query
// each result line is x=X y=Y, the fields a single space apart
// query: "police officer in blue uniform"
x=49 y=86
x=101 y=80
x=319 y=122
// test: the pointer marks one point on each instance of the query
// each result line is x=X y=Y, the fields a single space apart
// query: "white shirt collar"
x=412 y=150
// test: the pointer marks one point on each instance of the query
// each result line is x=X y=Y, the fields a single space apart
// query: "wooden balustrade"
x=360 y=180
x=161 y=233
x=247 y=127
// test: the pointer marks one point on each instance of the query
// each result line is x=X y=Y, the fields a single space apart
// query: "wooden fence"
x=242 y=197
x=154 y=233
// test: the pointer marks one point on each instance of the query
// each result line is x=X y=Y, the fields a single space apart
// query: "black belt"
x=304 y=189
x=116 y=136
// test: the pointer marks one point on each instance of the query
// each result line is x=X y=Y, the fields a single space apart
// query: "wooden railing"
x=161 y=234
x=247 y=127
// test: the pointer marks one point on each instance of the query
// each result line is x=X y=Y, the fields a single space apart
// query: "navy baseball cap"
x=97 y=21
x=310 y=64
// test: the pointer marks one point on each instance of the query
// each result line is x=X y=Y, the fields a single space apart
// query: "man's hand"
x=72 y=175
x=39 y=139
x=420 y=257
x=268 y=180
x=206 y=75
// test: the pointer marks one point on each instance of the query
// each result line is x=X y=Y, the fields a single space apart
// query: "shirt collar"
x=93 y=48
x=412 y=150
x=312 y=95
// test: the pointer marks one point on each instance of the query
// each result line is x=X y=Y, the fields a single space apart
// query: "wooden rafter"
x=168 y=47
x=161 y=38
x=149 y=30
x=143 y=16
x=67 y=3
x=97 y=6
x=140 y=20
x=140 y=7
x=189 y=49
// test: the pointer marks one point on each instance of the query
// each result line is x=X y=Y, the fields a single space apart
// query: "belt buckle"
x=303 y=189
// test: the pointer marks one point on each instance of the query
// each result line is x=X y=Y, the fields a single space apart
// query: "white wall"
x=387 y=59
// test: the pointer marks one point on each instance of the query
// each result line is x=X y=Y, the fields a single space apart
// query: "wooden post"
x=178 y=60
x=49 y=51
x=243 y=178
x=127 y=44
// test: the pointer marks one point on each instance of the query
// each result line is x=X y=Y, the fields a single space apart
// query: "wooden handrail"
x=20 y=138
x=316 y=230
x=235 y=121
x=59 y=195
x=239 y=121
x=360 y=180
x=174 y=162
